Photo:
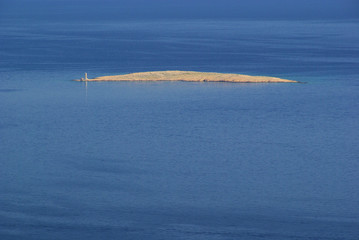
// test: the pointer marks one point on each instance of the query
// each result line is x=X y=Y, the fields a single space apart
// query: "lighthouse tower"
x=86 y=77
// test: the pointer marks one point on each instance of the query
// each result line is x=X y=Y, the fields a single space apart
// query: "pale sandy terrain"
x=189 y=76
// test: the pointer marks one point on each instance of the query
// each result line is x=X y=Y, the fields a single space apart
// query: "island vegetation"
x=189 y=76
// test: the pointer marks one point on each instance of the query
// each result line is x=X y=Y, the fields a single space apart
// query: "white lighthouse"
x=85 y=76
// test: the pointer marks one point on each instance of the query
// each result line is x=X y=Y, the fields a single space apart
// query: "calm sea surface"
x=175 y=160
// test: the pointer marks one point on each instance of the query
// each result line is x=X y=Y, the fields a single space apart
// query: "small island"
x=189 y=76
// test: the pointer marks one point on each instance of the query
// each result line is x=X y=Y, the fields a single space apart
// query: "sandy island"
x=189 y=76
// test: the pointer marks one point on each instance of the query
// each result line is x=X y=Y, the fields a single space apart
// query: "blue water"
x=175 y=160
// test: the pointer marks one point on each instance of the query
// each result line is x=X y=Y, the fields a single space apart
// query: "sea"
x=179 y=160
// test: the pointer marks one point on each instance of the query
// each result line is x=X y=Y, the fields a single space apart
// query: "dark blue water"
x=175 y=160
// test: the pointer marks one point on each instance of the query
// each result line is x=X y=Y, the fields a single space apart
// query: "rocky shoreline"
x=189 y=76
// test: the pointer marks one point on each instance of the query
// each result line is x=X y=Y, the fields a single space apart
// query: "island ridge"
x=189 y=76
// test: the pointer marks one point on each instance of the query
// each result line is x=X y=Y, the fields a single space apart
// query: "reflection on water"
x=179 y=160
